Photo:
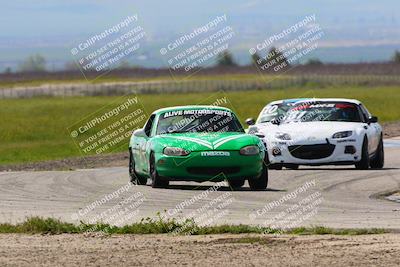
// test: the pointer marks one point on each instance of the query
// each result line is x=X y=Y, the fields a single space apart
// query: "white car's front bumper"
x=315 y=152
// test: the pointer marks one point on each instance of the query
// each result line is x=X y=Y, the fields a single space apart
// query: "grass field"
x=287 y=79
x=36 y=129
x=111 y=79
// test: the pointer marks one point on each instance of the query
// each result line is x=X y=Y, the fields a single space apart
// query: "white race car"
x=326 y=131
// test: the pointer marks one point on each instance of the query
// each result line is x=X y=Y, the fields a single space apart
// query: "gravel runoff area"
x=120 y=159
x=212 y=250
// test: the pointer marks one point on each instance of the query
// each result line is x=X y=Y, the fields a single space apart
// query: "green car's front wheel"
x=235 y=184
x=156 y=180
x=259 y=183
x=134 y=177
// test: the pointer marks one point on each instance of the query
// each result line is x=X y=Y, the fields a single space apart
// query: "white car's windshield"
x=198 y=120
x=323 y=111
x=274 y=112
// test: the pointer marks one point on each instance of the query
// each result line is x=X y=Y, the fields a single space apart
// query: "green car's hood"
x=207 y=141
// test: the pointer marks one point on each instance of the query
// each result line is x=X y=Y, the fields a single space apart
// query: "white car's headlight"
x=175 y=151
x=283 y=136
x=252 y=130
x=343 y=134
x=249 y=150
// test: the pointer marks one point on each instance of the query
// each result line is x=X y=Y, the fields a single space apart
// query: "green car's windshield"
x=323 y=111
x=198 y=120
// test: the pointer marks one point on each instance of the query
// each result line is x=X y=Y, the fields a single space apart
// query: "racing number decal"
x=270 y=109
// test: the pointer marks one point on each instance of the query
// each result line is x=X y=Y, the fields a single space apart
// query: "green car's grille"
x=213 y=171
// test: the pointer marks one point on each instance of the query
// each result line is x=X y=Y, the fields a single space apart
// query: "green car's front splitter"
x=202 y=166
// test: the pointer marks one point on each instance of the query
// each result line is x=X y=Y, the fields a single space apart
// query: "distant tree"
x=8 y=70
x=36 y=63
x=225 y=59
x=314 y=62
x=396 y=56
x=275 y=58
x=71 y=66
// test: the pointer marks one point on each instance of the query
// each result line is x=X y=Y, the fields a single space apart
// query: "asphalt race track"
x=349 y=197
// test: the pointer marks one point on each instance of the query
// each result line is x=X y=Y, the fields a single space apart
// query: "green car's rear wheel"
x=134 y=177
x=259 y=183
x=156 y=180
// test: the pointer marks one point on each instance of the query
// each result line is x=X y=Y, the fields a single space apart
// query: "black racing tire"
x=293 y=167
x=275 y=166
x=134 y=177
x=363 y=164
x=259 y=183
x=156 y=180
x=237 y=183
x=272 y=166
x=379 y=159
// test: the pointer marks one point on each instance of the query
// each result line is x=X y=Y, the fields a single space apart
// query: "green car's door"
x=142 y=144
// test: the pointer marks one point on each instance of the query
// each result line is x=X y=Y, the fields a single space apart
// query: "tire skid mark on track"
x=364 y=178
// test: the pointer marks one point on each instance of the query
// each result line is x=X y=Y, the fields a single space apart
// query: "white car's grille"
x=319 y=151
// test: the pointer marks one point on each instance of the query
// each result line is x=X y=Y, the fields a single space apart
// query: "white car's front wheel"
x=378 y=161
x=363 y=164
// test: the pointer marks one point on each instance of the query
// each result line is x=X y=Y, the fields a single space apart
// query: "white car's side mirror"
x=373 y=119
x=250 y=121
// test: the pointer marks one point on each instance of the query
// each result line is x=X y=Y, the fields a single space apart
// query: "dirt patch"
x=214 y=250
x=98 y=161
x=391 y=129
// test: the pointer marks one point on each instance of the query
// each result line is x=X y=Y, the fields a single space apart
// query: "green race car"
x=196 y=143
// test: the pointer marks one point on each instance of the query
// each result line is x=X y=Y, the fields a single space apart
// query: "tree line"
x=38 y=63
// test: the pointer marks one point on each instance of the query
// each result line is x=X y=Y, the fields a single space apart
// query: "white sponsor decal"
x=215 y=154
x=322 y=106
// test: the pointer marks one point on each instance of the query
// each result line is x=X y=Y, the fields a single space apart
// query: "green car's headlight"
x=175 y=151
x=249 y=150
x=343 y=134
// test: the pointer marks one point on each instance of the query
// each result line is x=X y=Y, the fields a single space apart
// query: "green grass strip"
x=38 y=225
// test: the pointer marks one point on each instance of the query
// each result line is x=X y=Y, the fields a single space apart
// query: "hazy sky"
x=70 y=17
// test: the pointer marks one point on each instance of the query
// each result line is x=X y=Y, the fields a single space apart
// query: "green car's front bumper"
x=196 y=167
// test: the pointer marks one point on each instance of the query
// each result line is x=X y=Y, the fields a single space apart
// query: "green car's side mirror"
x=139 y=133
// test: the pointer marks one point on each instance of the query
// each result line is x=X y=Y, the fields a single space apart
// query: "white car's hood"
x=317 y=130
